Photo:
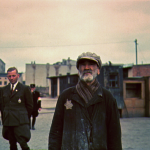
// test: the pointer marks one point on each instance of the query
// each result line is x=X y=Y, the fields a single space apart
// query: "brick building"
x=136 y=91
x=141 y=70
x=137 y=70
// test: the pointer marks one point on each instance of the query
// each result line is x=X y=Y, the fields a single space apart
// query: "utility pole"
x=136 y=49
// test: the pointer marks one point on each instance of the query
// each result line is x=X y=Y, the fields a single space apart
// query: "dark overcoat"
x=16 y=107
x=36 y=103
x=80 y=126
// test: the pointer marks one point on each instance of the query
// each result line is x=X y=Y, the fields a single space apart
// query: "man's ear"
x=98 y=71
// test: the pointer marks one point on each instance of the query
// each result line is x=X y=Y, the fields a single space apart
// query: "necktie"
x=12 y=89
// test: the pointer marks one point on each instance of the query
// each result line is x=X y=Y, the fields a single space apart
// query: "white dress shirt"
x=14 y=85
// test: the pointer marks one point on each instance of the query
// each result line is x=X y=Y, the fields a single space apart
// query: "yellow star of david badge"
x=68 y=104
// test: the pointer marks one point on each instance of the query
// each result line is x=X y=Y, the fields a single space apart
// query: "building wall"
x=2 y=66
x=135 y=105
x=41 y=73
x=3 y=81
x=141 y=70
x=130 y=73
x=134 y=98
x=60 y=83
x=147 y=96
x=111 y=78
x=65 y=69
x=39 y=77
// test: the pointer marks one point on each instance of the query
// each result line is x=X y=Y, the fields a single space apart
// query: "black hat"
x=32 y=85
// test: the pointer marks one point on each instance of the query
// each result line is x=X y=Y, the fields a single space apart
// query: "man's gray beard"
x=88 y=78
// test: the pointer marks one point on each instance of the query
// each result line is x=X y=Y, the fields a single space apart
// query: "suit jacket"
x=16 y=107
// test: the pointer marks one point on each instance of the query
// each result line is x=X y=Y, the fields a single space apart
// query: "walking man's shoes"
x=33 y=128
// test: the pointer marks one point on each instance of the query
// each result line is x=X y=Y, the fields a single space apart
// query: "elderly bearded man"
x=86 y=116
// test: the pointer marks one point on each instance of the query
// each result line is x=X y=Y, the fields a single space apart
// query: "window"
x=133 y=90
x=113 y=80
x=5 y=82
x=0 y=82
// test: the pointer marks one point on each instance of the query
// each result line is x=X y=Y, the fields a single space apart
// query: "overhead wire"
x=68 y=45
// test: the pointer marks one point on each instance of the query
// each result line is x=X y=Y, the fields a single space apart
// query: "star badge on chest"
x=68 y=104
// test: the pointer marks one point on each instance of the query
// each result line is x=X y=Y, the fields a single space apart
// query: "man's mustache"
x=87 y=71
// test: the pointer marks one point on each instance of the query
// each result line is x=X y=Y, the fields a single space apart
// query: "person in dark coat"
x=36 y=105
x=17 y=105
x=86 y=116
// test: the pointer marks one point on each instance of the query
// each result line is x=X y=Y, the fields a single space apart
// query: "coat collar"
x=14 y=85
x=16 y=89
x=8 y=90
x=98 y=97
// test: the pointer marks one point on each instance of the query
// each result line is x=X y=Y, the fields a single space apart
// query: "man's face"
x=32 y=89
x=88 y=70
x=12 y=76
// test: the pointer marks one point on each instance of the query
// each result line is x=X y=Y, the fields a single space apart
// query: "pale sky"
x=47 y=31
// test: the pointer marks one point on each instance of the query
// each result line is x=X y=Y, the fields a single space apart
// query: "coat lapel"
x=98 y=97
x=7 y=90
x=77 y=98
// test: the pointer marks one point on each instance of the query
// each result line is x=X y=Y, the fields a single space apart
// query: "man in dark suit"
x=36 y=105
x=17 y=105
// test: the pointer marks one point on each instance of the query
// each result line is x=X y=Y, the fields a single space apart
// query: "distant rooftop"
x=111 y=64
x=66 y=62
x=127 y=65
x=2 y=61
